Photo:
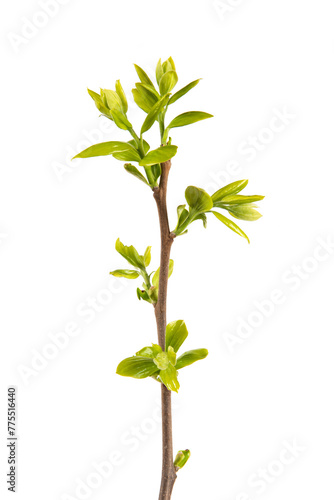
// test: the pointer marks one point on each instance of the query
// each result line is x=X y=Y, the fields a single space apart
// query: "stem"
x=168 y=471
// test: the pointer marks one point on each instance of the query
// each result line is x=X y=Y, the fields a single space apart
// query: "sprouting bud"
x=181 y=459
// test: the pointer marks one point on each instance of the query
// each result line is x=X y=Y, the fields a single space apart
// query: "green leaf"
x=160 y=155
x=112 y=100
x=168 y=65
x=182 y=214
x=143 y=295
x=159 y=71
x=230 y=225
x=198 y=199
x=188 y=118
x=153 y=114
x=147 y=256
x=169 y=378
x=137 y=367
x=244 y=212
x=149 y=94
x=238 y=200
x=180 y=93
x=130 y=254
x=233 y=188
x=99 y=103
x=120 y=120
x=125 y=273
x=155 y=279
x=168 y=82
x=141 y=102
x=149 y=352
x=120 y=150
x=171 y=355
x=189 y=357
x=122 y=96
x=176 y=334
x=134 y=171
x=156 y=171
x=143 y=77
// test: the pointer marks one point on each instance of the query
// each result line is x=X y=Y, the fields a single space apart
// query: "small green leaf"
x=143 y=295
x=116 y=148
x=120 y=119
x=122 y=96
x=134 y=171
x=188 y=118
x=137 y=367
x=155 y=279
x=198 y=199
x=189 y=357
x=230 y=225
x=168 y=65
x=99 y=103
x=181 y=459
x=153 y=114
x=141 y=102
x=176 y=334
x=159 y=71
x=148 y=93
x=143 y=77
x=233 y=188
x=125 y=273
x=244 y=212
x=180 y=93
x=112 y=100
x=168 y=82
x=130 y=254
x=149 y=352
x=160 y=155
x=169 y=378
x=171 y=355
x=239 y=200
x=147 y=256
x=182 y=214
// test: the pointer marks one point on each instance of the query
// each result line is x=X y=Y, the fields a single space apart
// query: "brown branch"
x=160 y=195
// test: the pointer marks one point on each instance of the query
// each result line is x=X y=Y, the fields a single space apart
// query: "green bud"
x=181 y=459
x=161 y=360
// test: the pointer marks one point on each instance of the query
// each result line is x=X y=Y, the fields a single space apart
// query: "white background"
x=235 y=410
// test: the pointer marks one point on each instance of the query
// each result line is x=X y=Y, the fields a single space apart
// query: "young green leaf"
x=198 y=199
x=141 y=101
x=203 y=218
x=160 y=155
x=125 y=273
x=189 y=357
x=161 y=360
x=155 y=279
x=149 y=94
x=130 y=254
x=143 y=77
x=244 y=212
x=169 y=378
x=230 y=225
x=99 y=103
x=143 y=295
x=134 y=171
x=112 y=100
x=115 y=148
x=150 y=351
x=188 y=118
x=238 y=199
x=159 y=71
x=147 y=256
x=176 y=334
x=122 y=96
x=120 y=119
x=146 y=145
x=180 y=93
x=153 y=114
x=233 y=188
x=137 y=367
x=168 y=82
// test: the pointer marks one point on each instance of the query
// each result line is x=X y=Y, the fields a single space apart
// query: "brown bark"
x=168 y=471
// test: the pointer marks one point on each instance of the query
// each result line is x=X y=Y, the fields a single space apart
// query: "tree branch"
x=160 y=195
